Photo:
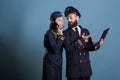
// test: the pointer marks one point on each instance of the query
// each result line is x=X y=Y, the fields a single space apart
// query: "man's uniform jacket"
x=77 y=53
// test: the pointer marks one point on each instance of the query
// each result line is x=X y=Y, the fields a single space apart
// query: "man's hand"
x=101 y=42
x=86 y=37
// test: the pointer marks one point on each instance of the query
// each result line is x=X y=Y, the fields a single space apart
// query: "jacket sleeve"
x=90 y=45
x=69 y=44
x=52 y=42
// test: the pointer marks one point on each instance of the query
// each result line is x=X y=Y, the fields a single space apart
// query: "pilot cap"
x=70 y=10
x=55 y=15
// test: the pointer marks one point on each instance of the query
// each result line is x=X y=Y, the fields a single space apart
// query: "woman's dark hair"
x=53 y=25
x=53 y=17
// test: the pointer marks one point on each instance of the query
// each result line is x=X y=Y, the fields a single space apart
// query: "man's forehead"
x=71 y=15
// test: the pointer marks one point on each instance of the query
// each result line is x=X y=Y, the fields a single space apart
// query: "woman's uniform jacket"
x=52 y=62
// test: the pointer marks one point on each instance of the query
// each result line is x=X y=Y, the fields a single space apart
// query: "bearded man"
x=77 y=40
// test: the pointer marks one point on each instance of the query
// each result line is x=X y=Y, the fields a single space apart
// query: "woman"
x=53 y=39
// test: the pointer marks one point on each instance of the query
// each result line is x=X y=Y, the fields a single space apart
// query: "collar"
x=79 y=29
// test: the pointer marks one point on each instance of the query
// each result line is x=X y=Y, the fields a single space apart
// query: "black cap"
x=70 y=10
x=55 y=15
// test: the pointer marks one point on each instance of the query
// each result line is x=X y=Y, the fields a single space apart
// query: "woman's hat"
x=55 y=15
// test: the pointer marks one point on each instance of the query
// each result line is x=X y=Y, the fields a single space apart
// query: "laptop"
x=103 y=36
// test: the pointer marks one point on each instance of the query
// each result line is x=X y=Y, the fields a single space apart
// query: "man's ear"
x=77 y=18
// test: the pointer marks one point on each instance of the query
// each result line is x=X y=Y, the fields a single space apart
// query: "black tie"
x=77 y=33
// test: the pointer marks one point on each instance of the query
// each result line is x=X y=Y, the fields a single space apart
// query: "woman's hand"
x=59 y=30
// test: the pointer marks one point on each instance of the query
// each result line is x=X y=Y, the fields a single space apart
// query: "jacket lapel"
x=82 y=31
x=72 y=33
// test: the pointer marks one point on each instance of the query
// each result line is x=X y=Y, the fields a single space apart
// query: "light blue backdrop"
x=24 y=22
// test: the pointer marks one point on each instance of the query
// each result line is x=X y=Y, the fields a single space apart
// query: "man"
x=77 y=46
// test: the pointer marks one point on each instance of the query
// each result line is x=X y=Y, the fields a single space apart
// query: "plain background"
x=23 y=24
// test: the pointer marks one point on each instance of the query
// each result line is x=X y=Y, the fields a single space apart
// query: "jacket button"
x=75 y=42
x=84 y=60
x=83 y=46
x=84 y=53
x=80 y=61
x=80 y=53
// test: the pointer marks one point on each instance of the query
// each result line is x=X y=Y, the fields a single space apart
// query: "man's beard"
x=73 y=24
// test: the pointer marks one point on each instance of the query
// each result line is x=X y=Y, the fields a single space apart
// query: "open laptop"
x=103 y=36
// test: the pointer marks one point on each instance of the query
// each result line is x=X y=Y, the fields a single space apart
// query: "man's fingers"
x=83 y=34
x=90 y=35
x=101 y=42
x=86 y=37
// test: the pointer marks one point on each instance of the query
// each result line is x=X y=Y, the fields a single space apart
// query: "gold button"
x=84 y=53
x=75 y=42
x=80 y=60
x=84 y=60
x=80 y=53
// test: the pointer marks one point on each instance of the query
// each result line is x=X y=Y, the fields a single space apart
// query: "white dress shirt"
x=78 y=28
